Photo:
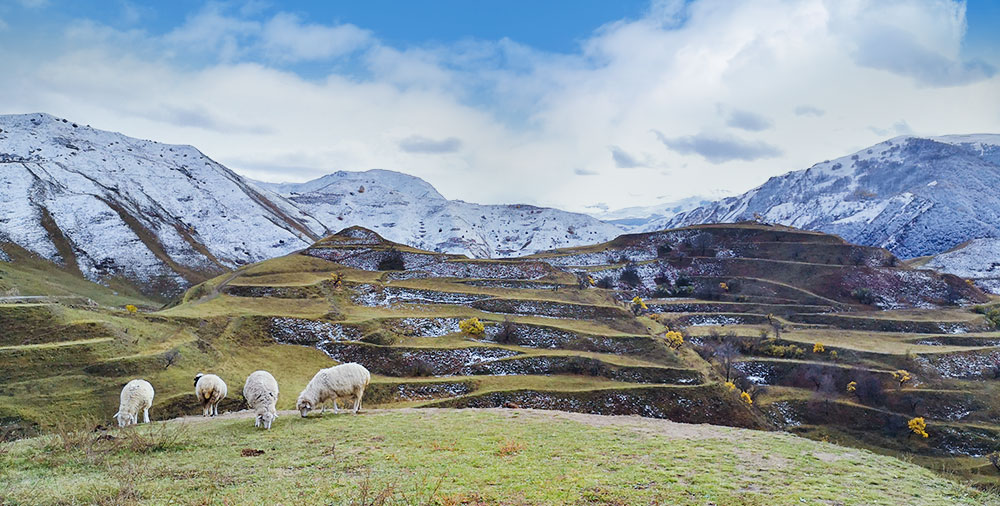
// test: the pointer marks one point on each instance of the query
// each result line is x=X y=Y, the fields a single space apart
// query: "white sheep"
x=261 y=393
x=210 y=390
x=136 y=395
x=342 y=381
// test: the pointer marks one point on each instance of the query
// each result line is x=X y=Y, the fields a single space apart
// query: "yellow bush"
x=472 y=326
x=833 y=355
x=674 y=339
x=131 y=309
x=724 y=287
x=337 y=279
x=852 y=387
x=639 y=302
x=730 y=386
x=819 y=348
x=746 y=398
x=918 y=426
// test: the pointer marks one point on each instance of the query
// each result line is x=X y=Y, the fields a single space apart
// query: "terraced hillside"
x=562 y=331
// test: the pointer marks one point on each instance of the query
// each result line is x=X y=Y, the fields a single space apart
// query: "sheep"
x=210 y=390
x=261 y=394
x=343 y=381
x=136 y=395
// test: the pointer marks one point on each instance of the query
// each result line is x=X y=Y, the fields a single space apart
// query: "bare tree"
x=725 y=353
x=170 y=357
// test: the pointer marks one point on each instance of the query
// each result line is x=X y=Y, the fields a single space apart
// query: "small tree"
x=902 y=377
x=337 y=279
x=472 y=327
x=170 y=357
x=638 y=305
x=131 y=309
x=818 y=348
x=852 y=387
x=674 y=339
x=725 y=353
x=507 y=334
x=745 y=397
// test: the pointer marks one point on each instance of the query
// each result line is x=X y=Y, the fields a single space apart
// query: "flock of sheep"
x=345 y=381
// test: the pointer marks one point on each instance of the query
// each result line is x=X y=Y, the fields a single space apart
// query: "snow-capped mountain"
x=636 y=218
x=408 y=210
x=167 y=216
x=113 y=206
x=913 y=196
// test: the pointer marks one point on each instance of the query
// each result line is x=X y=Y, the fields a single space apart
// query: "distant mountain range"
x=164 y=216
x=408 y=210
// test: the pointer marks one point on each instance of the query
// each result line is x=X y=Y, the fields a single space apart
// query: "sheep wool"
x=137 y=395
x=345 y=381
x=261 y=394
x=210 y=390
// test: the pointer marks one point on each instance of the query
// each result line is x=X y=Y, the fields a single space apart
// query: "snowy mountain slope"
x=978 y=259
x=636 y=218
x=408 y=210
x=913 y=196
x=111 y=206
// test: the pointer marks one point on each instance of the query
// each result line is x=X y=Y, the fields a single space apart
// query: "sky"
x=584 y=105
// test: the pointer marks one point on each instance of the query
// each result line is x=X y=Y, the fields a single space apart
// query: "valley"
x=789 y=318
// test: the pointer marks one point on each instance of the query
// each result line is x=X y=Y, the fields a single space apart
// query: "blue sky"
x=647 y=101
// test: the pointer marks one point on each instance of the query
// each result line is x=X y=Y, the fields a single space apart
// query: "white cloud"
x=495 y=121
x=285 y=37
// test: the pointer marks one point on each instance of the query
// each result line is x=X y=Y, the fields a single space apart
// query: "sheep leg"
x=336 y=409
x=145 y=415
x=357 y=400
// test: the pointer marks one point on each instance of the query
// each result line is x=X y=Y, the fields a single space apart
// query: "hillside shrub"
x=131 y=309
x=783 y=351
x=381 y=338
x=630 y=276
x=392 y=260
x=994 y=317
x=869 y=389
x=507 y=334
x=674 y=339
x=864 y=296
x=472 y=326
x=606 y=283
x=918 y=426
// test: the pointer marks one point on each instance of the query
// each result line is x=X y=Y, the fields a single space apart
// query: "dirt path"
x=653 y=426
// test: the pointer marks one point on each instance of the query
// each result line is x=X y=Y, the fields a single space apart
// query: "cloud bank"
x=281 y=97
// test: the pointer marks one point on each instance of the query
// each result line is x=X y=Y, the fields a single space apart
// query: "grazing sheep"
x=210 y=390
x=136 y=395
x=261 y=393
x=342 y=381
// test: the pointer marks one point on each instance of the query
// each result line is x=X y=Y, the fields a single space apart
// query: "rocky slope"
x=913 y=196
x=110 y=206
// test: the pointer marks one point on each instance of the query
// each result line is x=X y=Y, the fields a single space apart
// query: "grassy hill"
x=458 y=457
x=560 y=333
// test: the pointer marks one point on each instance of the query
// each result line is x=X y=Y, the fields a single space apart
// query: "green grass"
x=460 y=457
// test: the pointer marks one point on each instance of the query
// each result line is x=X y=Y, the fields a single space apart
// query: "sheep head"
x=304 y=407
x=197 y=377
